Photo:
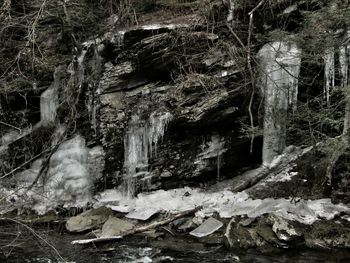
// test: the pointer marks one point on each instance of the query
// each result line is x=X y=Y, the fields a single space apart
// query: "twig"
x=252 y=77
x=36 y=235
x=18 y=167
x=47 y=160
x=249 y=64
x=4 y=123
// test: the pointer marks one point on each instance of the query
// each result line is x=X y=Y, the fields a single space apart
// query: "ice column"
x=49 y=99
x=280 y=64
x=329 y=73
x=140 y=142
x=344 y=53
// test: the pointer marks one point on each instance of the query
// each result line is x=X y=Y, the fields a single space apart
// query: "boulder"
x=115 y=226
x=88 y=220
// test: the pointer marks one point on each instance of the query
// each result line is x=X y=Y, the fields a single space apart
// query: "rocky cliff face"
x=167 y=99
x=201 y=139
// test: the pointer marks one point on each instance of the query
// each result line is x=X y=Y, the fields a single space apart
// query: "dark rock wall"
x=184 y=61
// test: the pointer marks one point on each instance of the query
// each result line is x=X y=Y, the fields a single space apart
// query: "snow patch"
x=226 y=204
x=208 y=227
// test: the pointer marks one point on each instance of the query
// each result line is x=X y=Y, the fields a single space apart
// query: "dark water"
x=20 y=245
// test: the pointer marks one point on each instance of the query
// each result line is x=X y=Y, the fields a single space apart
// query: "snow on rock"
x=280 y=62
x=226 y=203
x=143 y=214
x=115 y=226
x=208 y=227
x=27 y=177
x=88 y=220
x=283 y=229
x=162 y=26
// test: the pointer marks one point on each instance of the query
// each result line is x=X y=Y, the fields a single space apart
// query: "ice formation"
x=280 y=64
x=226 y=203
x=68 y=179
x=344 y=64
x=344 y=56
x=48 y=105
x=329 y=73
x=14 y=135
x=140 y=142
x=214 y=149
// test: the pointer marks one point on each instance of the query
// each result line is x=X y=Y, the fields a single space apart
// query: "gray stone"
x=115 y=226
x=187 y=225
x=88 y=220
x=284 y=229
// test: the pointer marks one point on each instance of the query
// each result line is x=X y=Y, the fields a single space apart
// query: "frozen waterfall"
x=329 y=73
x=280 y=63
x=48 y=106
x=140 y=143
x=344 y=56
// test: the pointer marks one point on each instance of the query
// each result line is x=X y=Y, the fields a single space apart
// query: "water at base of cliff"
x=16 y=245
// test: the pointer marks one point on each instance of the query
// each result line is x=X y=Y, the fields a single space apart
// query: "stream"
x=18 y=244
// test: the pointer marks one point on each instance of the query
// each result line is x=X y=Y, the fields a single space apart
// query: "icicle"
x=231 y=8
x=329 y=73
x=48 y=105
x=211 y=151
x=280 y=62
x=76 y=68
x=344 y=64
x=344 y=70
x=141 y=140
x=218 y=167
x=93 y=91
x=49 y=98
x=157 y=127
x=118 y=38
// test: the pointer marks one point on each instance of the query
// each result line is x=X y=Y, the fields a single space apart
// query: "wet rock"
x=187 y=225
x=96 y=162
x=153 y=234
x=160 y=52
x=115 y=226
x=341 y=179
x=88 y=220
x=328 y=234
x=166 y=174
x=239 y=236
x=285 y=229
x=198 y=220
x=247 y=222
x=136 y=35
x=214 y=239
x=264 y=230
